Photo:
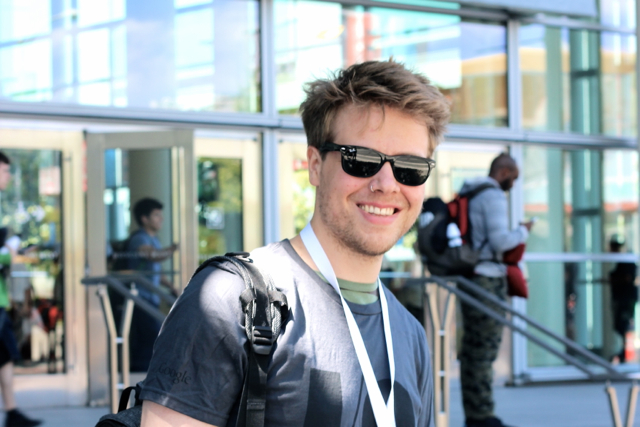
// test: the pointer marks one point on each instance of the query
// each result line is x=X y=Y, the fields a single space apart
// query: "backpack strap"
x=265 y=309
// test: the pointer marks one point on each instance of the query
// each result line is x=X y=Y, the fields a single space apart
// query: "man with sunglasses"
x=349 y=354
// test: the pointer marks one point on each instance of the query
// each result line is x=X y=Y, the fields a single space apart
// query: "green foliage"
x=224 y=195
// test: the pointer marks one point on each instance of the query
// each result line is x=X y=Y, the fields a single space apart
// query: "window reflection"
x=31 y=209
x=578 y=81
x=92 y=12
x=544 y=61
x=466 y=60
x=196 y=55
x=618 y=62
x=620 y=188
x=581 y=198
x=25 y=71
x=618 y=13
x=23 y=19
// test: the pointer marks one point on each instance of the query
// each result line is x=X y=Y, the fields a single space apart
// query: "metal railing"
x=597 y=368
x=119 y=372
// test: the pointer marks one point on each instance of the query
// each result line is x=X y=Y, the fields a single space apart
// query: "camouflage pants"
x=480 y=344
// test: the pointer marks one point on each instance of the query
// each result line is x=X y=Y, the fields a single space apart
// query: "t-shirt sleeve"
x=138 y=239
x=199 y=358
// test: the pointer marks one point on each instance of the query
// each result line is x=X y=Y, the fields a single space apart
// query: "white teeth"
x=376 y=210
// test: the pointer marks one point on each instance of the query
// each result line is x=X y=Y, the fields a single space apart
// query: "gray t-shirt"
x=314 y=377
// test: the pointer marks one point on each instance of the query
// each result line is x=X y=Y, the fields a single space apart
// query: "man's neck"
x=346 y=264
x=149 y=231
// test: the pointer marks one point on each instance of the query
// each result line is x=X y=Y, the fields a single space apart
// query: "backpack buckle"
x=262 y=339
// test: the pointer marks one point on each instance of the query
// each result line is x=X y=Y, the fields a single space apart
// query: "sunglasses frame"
x=344 y=151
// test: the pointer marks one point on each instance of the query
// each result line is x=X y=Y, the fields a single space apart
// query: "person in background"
x=491 y=235
x=8 y=347
x=147 y=255
x=624 y=293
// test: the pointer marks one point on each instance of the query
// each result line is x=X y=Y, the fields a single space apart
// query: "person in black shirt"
x=624 y=293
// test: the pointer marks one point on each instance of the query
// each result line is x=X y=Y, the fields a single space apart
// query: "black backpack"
x=265 y=309
x=440 y=254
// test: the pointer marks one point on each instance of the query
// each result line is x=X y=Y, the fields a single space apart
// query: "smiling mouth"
x=377 y=211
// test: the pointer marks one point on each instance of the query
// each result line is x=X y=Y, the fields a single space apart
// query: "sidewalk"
x=562 y=405
x=574 y=405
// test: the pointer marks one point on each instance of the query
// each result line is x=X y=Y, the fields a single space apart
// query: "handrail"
x=115 y=282
x=117 y=286
x=564 y=340
x=147 y=284
x=465 y=297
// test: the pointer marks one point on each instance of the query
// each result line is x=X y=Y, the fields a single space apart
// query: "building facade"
x=194 y=102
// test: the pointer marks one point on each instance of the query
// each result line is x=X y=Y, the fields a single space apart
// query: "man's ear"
x=314 y=160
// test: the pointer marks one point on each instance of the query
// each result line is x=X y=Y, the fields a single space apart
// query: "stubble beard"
x=345 y=232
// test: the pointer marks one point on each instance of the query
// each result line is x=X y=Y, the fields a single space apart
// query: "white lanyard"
x=384 y=414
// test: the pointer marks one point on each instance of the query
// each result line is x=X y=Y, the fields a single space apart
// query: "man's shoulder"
x=220 y=273
x=139 y=237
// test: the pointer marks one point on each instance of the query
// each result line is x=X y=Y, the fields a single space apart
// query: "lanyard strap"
x=383 y=413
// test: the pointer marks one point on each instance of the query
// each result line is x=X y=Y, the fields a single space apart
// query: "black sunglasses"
x=364 y=162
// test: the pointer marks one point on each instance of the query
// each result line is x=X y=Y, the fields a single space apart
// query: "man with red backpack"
x=490 y=235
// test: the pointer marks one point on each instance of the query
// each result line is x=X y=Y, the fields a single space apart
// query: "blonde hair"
x=373 y=83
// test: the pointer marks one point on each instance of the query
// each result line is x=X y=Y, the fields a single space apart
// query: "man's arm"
x=156 y=255
x=154 y=415
x=496 y=217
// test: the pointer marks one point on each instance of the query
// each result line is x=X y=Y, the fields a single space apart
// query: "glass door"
x=41 y=218
x=229 y=199
x=140 y=202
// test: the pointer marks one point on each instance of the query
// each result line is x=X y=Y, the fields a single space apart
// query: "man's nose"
x=384 y=179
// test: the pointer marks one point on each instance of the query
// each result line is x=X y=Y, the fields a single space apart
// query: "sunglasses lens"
x=364 y=163
x=361 y=162
x=411 y=170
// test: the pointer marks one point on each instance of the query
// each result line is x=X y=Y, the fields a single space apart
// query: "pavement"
x=561 y=405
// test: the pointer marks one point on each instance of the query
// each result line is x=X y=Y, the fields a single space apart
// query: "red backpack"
x=446 y=253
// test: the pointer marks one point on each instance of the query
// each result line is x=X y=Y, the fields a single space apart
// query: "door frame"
x=184 y=227
x=68 y=388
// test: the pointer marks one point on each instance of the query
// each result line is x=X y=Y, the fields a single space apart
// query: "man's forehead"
x=371 y=116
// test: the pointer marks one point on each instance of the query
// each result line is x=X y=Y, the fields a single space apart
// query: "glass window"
x=578 y=81
x=619 y=95
x=620 y=189
x=185 y=55
x=466 y=60
x=18 y=20
x=544 y=61
x=581 y=198
x=618 y=13
x=31 y=211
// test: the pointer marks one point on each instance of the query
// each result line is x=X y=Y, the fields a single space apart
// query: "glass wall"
x=465 y=59
x=588 y=81
x=31 y=214
x=169 y=54
x=582 y=198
